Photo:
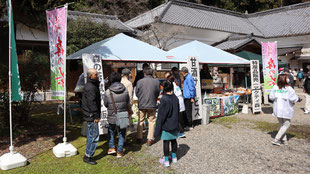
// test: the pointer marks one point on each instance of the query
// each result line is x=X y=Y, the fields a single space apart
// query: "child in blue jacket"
x=167 y=122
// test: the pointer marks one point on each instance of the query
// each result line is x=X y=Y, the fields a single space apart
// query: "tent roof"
x=124 y=48
x=206 y=54
x=252 y=56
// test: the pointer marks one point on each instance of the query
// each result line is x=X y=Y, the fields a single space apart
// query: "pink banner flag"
x=57 y=30
x=270 y=65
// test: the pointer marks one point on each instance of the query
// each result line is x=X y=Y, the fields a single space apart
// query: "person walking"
x=91 y=105
x=290 y=76
x=189 y=93
x=147 y=91
x=167 y=123
x=300 y=76
x=128 y=85
x=294 y=73
x=178 y=93
x=284 y=98
x=307 y=91
x=116 y=99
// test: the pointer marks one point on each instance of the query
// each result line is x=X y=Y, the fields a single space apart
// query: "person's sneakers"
x=181 y=135
x=276 y=142
x=88 y=160
x=149 y=142
x=285 y=142
x=186 y=129
x=306 y=112
x=119 y=154
x=163 y=162
x=111 y=151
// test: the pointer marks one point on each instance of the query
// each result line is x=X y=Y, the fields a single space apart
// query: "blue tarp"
x=124 y=48
x=205 y=53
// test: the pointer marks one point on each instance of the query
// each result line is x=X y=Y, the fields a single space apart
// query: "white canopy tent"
x=205 y=53
x=124 y=48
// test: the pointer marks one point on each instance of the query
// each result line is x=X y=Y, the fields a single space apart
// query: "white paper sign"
x=193 y=68
x=94 y=61
x=256 y=92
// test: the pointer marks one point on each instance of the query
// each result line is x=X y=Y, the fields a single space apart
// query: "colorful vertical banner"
x=16 y=90
x=256 y=92
x=57 y=36
x=270 y=65
x=193 y=68
x=94 y=61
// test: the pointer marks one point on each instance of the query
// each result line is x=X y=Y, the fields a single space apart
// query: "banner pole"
x=65 y=82
x=11 y=148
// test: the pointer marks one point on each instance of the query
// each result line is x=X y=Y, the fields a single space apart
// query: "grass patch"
x=135 y=160
x=226 y=121
x=298 y=131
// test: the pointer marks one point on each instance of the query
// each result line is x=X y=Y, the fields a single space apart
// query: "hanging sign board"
x=193 y=68
x=94 y=61
x=270 y=65
x=256 y=92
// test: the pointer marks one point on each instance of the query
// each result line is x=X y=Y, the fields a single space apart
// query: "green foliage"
x=83 y=32
x=32 y=79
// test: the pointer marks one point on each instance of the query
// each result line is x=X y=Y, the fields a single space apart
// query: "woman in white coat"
x=284 y=98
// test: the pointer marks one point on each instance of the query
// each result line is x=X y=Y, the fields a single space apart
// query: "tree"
x=83 y=32
x=162 y=35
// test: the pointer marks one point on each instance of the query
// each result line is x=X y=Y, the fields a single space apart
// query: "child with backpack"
x=167 y=123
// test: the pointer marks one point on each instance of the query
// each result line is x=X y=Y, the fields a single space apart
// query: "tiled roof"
x=285 y=21
x=112 y=21
x=201 y=16
x=233 y=44
x=146 y=18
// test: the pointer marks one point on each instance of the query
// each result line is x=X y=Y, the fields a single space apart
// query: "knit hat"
x=126 y=72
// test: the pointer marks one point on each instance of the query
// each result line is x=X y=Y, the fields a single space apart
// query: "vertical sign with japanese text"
x=256 y=92
x=94 y=61
x=193 y=68
x=57 y=29
x=270 y=65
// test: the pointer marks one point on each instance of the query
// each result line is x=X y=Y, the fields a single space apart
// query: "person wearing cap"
x=290 y=76
x=127 y=83
x=307 y=91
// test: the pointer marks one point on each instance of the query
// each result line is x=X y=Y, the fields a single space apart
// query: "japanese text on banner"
x=270 y=65
x=57 y=26
x=193 y=67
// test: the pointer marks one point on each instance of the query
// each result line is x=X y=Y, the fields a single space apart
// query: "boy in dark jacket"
x=167 y=122
x=91 y=113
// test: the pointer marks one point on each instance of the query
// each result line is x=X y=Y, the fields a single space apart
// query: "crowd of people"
x=174 y=112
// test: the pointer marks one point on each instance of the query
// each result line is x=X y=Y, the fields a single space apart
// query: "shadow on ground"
x=267 y=110
x=182 y=150
x=274 y=133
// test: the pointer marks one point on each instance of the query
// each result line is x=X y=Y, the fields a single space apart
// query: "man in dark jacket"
x=91 y=112
x=119 y=104
x=307 y=91
x=147 y=91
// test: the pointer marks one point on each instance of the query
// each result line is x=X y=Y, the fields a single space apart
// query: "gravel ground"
x=240 y=149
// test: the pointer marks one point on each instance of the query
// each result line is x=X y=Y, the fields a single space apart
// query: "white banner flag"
x=193 y=68
x=94 y=61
